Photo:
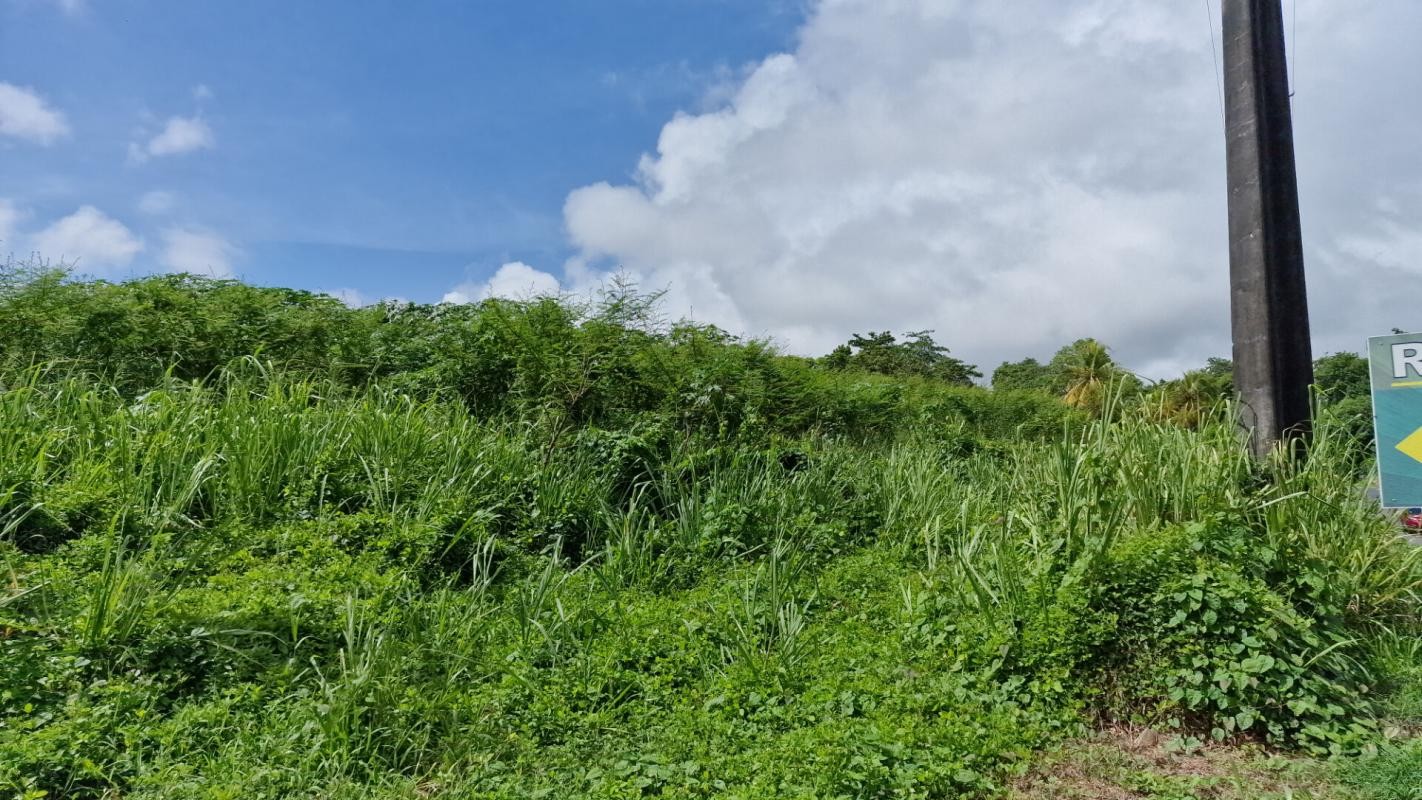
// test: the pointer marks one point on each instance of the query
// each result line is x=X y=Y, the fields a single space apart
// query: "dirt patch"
x=1128 y=764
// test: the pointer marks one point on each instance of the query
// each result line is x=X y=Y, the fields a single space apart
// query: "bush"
x=1216 y=635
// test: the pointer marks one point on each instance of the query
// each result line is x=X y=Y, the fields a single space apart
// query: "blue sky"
x=397 y=149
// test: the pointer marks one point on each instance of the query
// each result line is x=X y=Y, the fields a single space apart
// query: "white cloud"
x=197 y=251
x=179 y=135
x=156 y=202
x=1014 y=176
x=25 y=115
x=72 y=8
x=9 y=216
x=202 y=92
x=88 y=239
x=515 y=280
x=351 y=297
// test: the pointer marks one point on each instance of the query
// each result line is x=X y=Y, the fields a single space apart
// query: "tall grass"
x=380 y=589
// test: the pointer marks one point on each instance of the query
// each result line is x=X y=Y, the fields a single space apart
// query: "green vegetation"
x=919 y=356
x=256 y=544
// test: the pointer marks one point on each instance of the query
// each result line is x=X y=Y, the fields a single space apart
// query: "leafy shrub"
x=1215 y=637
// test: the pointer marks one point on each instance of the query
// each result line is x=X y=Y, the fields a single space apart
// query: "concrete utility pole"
x=1273 y=358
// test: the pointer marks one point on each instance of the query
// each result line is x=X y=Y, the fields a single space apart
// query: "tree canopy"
x=917 y=355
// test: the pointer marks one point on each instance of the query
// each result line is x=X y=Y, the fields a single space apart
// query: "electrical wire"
x=1214 y=56
x=1294 y=46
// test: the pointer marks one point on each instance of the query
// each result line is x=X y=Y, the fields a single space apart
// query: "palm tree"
x=1088 y=372
x=1187 y=400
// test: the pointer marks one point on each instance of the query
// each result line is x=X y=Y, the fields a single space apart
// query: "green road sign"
x=1396 y=363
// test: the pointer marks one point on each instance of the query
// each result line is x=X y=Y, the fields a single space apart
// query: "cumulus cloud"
x=197 y=251
x=9 y=229
x=25 y=115
x=179 y=135
x=515 y=280
x=351 y=297
x=1015 y=176
x=156 y=202
x=90 y=239
x=9 y=216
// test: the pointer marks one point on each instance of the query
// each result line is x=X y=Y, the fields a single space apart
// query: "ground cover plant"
x=258 y=544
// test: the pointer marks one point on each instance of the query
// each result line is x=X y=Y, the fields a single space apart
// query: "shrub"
x=1214 y=637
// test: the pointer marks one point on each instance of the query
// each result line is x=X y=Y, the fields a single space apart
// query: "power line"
x=1294 y=54
x=1214 y=56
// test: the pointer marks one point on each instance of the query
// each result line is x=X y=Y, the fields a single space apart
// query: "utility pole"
x=1273 y=359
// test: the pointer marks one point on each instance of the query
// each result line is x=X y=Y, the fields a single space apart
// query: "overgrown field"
x=256 y=545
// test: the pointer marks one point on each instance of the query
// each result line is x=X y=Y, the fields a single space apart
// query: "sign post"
x=1396 y=366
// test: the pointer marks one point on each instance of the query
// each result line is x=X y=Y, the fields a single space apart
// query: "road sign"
x=1396 y=365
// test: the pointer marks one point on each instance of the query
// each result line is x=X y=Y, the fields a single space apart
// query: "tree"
x=877 y=352
x=1220 y=368
x=918 y=355
x=1189 y=399
x=841 y=358
x=1340 y=376
x=1084 y=374
x=1029 y=374
x=1087 y=371
x=931 y=360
